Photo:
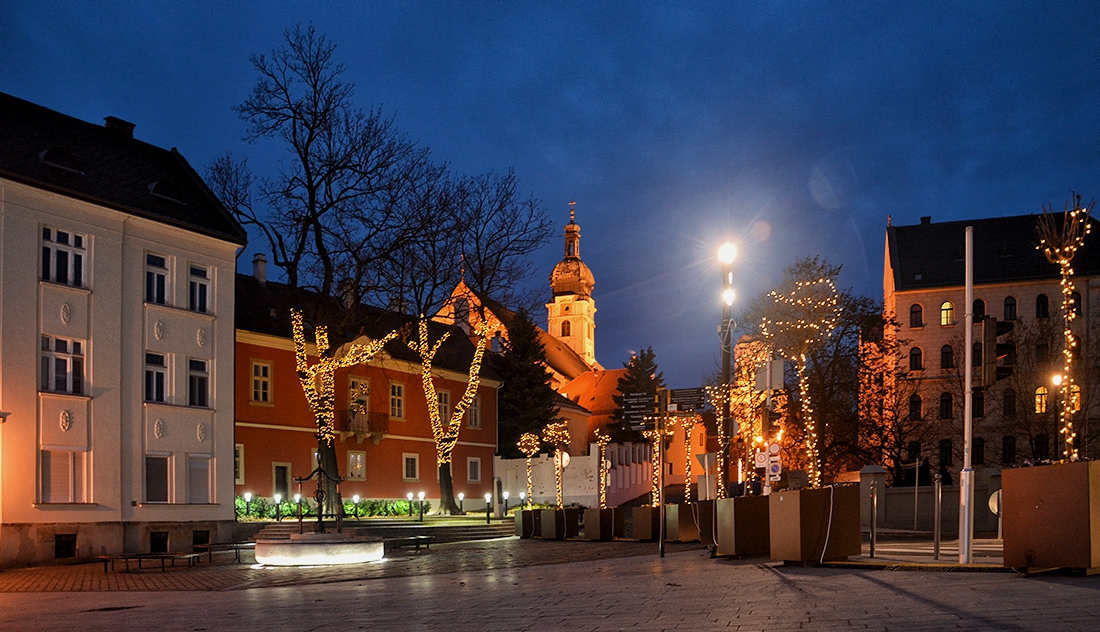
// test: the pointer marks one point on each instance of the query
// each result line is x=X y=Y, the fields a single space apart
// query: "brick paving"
x=511 y=584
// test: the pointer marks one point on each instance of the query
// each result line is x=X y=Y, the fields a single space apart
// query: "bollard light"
x=505 y=502
x=247 y=503
x=460 y=497
x=522 y=498
x=278 y=512
x=410 y=497
x=420 y=497
x=488 y=506
x=298 y=505
x=355 y=500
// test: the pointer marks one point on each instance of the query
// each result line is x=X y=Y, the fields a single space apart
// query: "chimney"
x=115 y=124
x=259 y=268
x=926 y=220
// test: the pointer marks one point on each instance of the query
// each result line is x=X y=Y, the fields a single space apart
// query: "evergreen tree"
x=526 y=400
x=641 y=376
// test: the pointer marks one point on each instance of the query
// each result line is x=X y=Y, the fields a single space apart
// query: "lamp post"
x=420 y=497
x=247 y=504
x=461 y=496
x=726 y=254
x=298 y=504
x=278 y=510
x=488 y=506
x=355 y=501
x=505 y=503
x=410 y=497
x=523 y=498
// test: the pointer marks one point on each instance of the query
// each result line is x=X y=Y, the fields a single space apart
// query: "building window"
x=473 y=413
x=473 y=470
x=1008 y=449
x=565 y=329
x=979 y=309
x=915 y=412
x=977 y=456
x=281 y=479
x=357 y=466
x=947 y=357
x=1042 y=351
x=199 y=289
x=1009 y=403
x=156 y=279
x=915 y=361
x=63 y=476
x=238 y=464
x=946 y=453
x=62 y=365
x=198 y=383
x=976 y=359
x=156 y=377
x=1010 y=308
x=1042 y=306
x=977 y=402
x=397 y=400
x=1075 y=303
x=198 y=479
x=412 y=467
x=1040 y=400
x=156 y=478
x=946 y=406
x=912 y=452
x=63 y=257
x=1040 y=447
x=443 y=405
x=261 y=382
x=916 y=316
x=358 y=395
x=947 y=314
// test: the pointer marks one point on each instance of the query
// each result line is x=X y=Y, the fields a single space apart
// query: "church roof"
x=572 y=276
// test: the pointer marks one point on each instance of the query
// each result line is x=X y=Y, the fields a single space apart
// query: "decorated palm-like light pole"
x=602 y=439
x=528 y=444
x=1059 y=239
x=804 y=316
x=557 y=435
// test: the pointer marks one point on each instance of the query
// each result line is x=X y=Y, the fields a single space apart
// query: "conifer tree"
x=526 y=400
x=641 y=376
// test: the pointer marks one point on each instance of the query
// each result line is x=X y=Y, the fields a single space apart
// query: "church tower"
x=571 y=317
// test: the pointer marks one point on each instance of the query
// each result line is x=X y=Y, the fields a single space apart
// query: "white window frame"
x=152 y=370
x=198 y=295
x=443 y=405
x=397 y=400
x=74 y=253
x=360 y=405
x=198 y=374
x=238 y=464
x=74 y=463
x=69 y=364
x=472 y=463
x=357 y=460
x=167 y=457
x=261 y=384
x=473 y=413
x=157 y=288
x=405 y=456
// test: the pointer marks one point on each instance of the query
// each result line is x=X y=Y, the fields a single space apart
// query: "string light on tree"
x=1059 y=239
x=718 y=396
x=602 y=439
x=528 y=444
x=557 y=436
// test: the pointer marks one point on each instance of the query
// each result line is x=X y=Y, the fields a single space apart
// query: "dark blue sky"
x=794 y=128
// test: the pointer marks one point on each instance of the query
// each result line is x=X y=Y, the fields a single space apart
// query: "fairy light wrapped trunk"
x=529 y=444
x=803 y=316
x=656 y=439
x=1060 y=236
x=319 y=386
x=602 y=439
x=445 y=432
x=557 y=435
x=718 y=396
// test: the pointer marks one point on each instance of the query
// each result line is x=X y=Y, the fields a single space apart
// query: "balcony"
x=362 y=424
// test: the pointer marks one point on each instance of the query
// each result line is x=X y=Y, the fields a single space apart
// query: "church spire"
x=572 y=235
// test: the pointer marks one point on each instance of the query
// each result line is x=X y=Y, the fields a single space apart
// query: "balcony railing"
x=362 y=422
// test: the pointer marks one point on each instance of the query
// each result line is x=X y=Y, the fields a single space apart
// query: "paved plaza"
x=513 y=584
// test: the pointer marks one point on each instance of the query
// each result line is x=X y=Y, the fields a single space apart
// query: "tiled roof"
x=559 y=356
x=59 y=153
x=933 y=255
x=265 y=309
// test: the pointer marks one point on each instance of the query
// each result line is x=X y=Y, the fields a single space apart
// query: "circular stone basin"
x=318 y=549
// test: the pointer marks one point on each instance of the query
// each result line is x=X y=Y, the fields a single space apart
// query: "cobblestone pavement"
x=604 y=586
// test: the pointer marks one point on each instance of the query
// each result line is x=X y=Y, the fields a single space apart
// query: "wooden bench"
x=411 y=540
x=236 y=547
x=109 y=560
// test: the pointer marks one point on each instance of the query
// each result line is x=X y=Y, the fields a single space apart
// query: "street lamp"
x=355 y=501
x=278 y=510
x=523 y=498
x=298 y=503
x=460 y=497
x=420 y=497
x=247 y=503
x=505 y=502
x=410 y=497
x=726 y=254
x=488 y=506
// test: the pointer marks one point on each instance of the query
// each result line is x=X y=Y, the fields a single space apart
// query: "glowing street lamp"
x=460 y=497
x=247 y=503
x=355 y=501
x=410 y=497
x=298 y=504
x=278 y=509
x=726 y=254
x=488 y=506
x=505 y=502
x=420 y=497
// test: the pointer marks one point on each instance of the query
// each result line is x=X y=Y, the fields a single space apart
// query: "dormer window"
x=167 y=190
x=61 y=158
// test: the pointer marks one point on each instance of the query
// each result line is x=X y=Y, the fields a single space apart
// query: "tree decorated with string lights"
x=657 y=437
x=1060 y=236
x=801 y=314
x=529 y=444
x=602 y=439
x=556 y=435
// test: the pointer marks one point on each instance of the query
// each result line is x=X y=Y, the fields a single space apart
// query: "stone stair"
x=443 y=529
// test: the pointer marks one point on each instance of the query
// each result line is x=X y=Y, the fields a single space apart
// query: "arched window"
x=977 y=403
x=946 y=406
x=976 y=356
x=947 y=314
x=915 y=361
x=979 y=308
x=947 y=357
x=1075 y=303
x=1042 y=306
x=916 y=316
x=1008 y=403
x=1040 y=400
x=1010 y=308
x=565 y=329
x=915 y=412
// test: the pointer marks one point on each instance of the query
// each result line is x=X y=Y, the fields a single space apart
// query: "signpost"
x=686 y=400
x=638 y=406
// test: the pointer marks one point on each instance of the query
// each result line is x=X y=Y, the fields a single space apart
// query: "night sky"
x=792 y=128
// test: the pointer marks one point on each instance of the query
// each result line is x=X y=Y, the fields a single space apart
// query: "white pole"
x=966 y=478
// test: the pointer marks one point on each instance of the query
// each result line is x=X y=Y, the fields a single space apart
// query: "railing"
x=362 y=422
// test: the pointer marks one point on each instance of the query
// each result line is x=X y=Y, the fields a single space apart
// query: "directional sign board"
x=638 y=406
x=686 y=399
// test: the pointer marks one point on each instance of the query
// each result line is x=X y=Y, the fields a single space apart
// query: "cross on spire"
x=572 y=210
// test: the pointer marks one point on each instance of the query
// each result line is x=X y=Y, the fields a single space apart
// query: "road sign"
x=776 y=376
x=775 y=469
x=761 y=459
x=686 y=399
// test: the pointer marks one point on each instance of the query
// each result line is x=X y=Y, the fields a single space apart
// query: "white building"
x=116 y=343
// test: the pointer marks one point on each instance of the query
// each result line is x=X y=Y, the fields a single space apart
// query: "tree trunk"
x=327 y=451
x=447 y=505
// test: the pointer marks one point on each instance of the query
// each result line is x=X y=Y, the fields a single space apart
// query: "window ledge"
x=67 y=395
x=65 y=505
x=81 y=289
x=261 y=404
x=172 y=309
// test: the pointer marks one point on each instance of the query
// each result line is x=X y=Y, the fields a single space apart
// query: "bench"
x=109 y=560
x=236 y=547
x=411 y=540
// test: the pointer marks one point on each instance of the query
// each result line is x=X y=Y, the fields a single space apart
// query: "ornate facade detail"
x=67 y=419
x=200 y=432
x=66 y=313
x=158 y=428
x=200 y=337
x=158 y=330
